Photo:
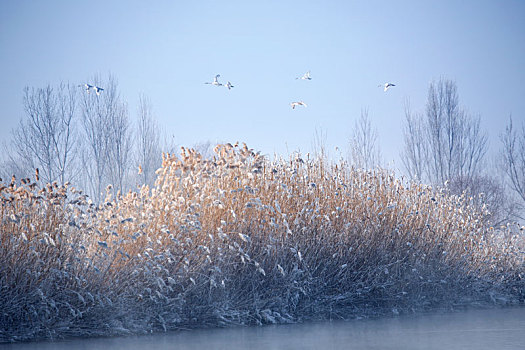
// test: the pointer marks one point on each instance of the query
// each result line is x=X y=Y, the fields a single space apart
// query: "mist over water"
x=472 y=329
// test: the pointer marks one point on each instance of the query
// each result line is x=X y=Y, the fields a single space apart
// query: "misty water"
x=471 y=329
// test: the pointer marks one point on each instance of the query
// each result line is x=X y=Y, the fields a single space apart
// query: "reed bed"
x=241 y=240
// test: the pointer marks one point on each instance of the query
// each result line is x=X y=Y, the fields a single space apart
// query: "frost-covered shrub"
x=240 y=239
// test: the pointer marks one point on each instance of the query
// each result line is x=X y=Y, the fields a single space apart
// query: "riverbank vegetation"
x=242 y=240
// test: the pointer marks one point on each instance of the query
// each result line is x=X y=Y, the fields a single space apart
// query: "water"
x=474 y=329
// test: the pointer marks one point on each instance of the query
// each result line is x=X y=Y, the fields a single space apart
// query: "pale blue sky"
x=168 y=49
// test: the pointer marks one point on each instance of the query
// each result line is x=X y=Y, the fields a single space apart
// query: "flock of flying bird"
x=215 y=82
x=306 y=76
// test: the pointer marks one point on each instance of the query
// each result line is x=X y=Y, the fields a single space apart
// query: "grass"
x=243 y=240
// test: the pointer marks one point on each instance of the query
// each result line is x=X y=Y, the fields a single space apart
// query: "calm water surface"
x=474 y=329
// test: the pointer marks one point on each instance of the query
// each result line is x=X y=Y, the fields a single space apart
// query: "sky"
x=168 y=49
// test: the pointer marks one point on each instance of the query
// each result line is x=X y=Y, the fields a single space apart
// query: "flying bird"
x=215 y=81
x=306 y=76
x=98 y=90
x=386 y=86
x=229 y=86
x=299 y=103
x=87 y=87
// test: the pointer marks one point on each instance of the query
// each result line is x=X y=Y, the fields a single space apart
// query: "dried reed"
x=239 y=239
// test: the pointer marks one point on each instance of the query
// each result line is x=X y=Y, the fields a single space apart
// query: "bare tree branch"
x=45 y=138
x=364 y=148
x=414 y=154
x=106 y=129
x=148 y=153
x=448 y=144
x=513 y=155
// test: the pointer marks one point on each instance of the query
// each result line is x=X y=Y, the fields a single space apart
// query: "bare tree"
x=148 y=153
x=364 y=148
x=120 y=148
x=447 y=147
x=513 y=156
x=456 y=144
x=447 y=144
x=106 y=129
x=45 y=138
x=414 y=155
x=95 y=125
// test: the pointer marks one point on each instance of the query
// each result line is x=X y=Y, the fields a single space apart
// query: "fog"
x=472 y=329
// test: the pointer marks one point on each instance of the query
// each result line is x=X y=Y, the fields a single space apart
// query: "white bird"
x=386 y=86
x=229 y=85
x=299 y=103
x=87 y=87
x=98 y=90
x=306 y=76
x=215 y=81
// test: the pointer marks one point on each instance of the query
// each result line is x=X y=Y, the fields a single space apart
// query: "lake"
x=470 y=329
